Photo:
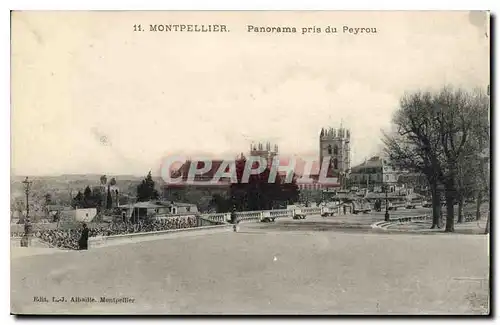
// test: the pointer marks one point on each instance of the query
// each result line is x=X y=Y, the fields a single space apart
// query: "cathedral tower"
x=266 y=151
x=335 y=144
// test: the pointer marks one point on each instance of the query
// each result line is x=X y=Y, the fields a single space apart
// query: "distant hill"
x=62 y=187
x=75 y=177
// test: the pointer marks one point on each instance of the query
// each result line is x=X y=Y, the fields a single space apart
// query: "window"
x=329 y=149
x=335 y=163
x=336 y=150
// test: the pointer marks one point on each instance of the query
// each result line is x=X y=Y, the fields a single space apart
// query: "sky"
x=90 y=95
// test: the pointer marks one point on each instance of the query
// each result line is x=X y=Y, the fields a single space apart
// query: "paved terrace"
x=285 y=268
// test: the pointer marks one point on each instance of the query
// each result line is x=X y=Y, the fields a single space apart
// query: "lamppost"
x=387 y=217
x=27 y=223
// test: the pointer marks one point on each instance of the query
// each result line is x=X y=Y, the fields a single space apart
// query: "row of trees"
x=258 y=193
x=103 y=197
x=97 y=197
x=93 y=198
x=444 y=135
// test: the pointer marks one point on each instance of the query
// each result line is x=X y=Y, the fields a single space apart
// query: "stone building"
x=377 y=172
x=335 y=145
x=373 y=171
x=267 y=152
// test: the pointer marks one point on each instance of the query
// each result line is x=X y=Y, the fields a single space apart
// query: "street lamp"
x=387 y=217
x=27 y=223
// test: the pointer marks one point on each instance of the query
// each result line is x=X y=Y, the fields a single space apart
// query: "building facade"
x=374 y=173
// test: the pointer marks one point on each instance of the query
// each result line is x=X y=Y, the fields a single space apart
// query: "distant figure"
x=233 y=216
x=83 y=243
x=234 y=220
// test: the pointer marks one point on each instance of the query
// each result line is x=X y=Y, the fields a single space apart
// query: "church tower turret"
x=335 y=144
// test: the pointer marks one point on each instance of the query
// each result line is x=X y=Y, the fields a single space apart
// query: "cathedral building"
x=267 y=152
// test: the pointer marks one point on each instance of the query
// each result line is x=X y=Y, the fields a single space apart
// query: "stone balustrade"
x=259 y=215
x=315 y=210
x=281 y=213
x=217 y=217
x=249 y=215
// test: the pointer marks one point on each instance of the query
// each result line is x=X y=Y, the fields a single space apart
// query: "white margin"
x=178 y=5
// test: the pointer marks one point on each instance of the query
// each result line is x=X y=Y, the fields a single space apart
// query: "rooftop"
x=373 y=162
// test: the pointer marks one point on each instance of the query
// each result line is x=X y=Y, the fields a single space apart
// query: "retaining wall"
x=392 y=221
x=116 y=239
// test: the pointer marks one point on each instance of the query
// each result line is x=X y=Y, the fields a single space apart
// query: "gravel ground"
x=264 y=271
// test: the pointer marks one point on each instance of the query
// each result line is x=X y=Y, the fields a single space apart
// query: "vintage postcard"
x=250 y=162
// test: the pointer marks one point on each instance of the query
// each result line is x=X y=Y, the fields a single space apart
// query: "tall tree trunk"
x=436 y=207
x=487 y=229
x=450 y=216
x=479 y=198
x=460 y=209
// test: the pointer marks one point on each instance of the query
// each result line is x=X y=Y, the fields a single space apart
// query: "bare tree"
x=480 y=140
x=459 y=116
x=466 y=183
x=473 y=172
x=415 y=143
x=440 y=135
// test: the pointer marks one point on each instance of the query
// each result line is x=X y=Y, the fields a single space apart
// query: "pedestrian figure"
x=234 y=220
x=84 y=238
